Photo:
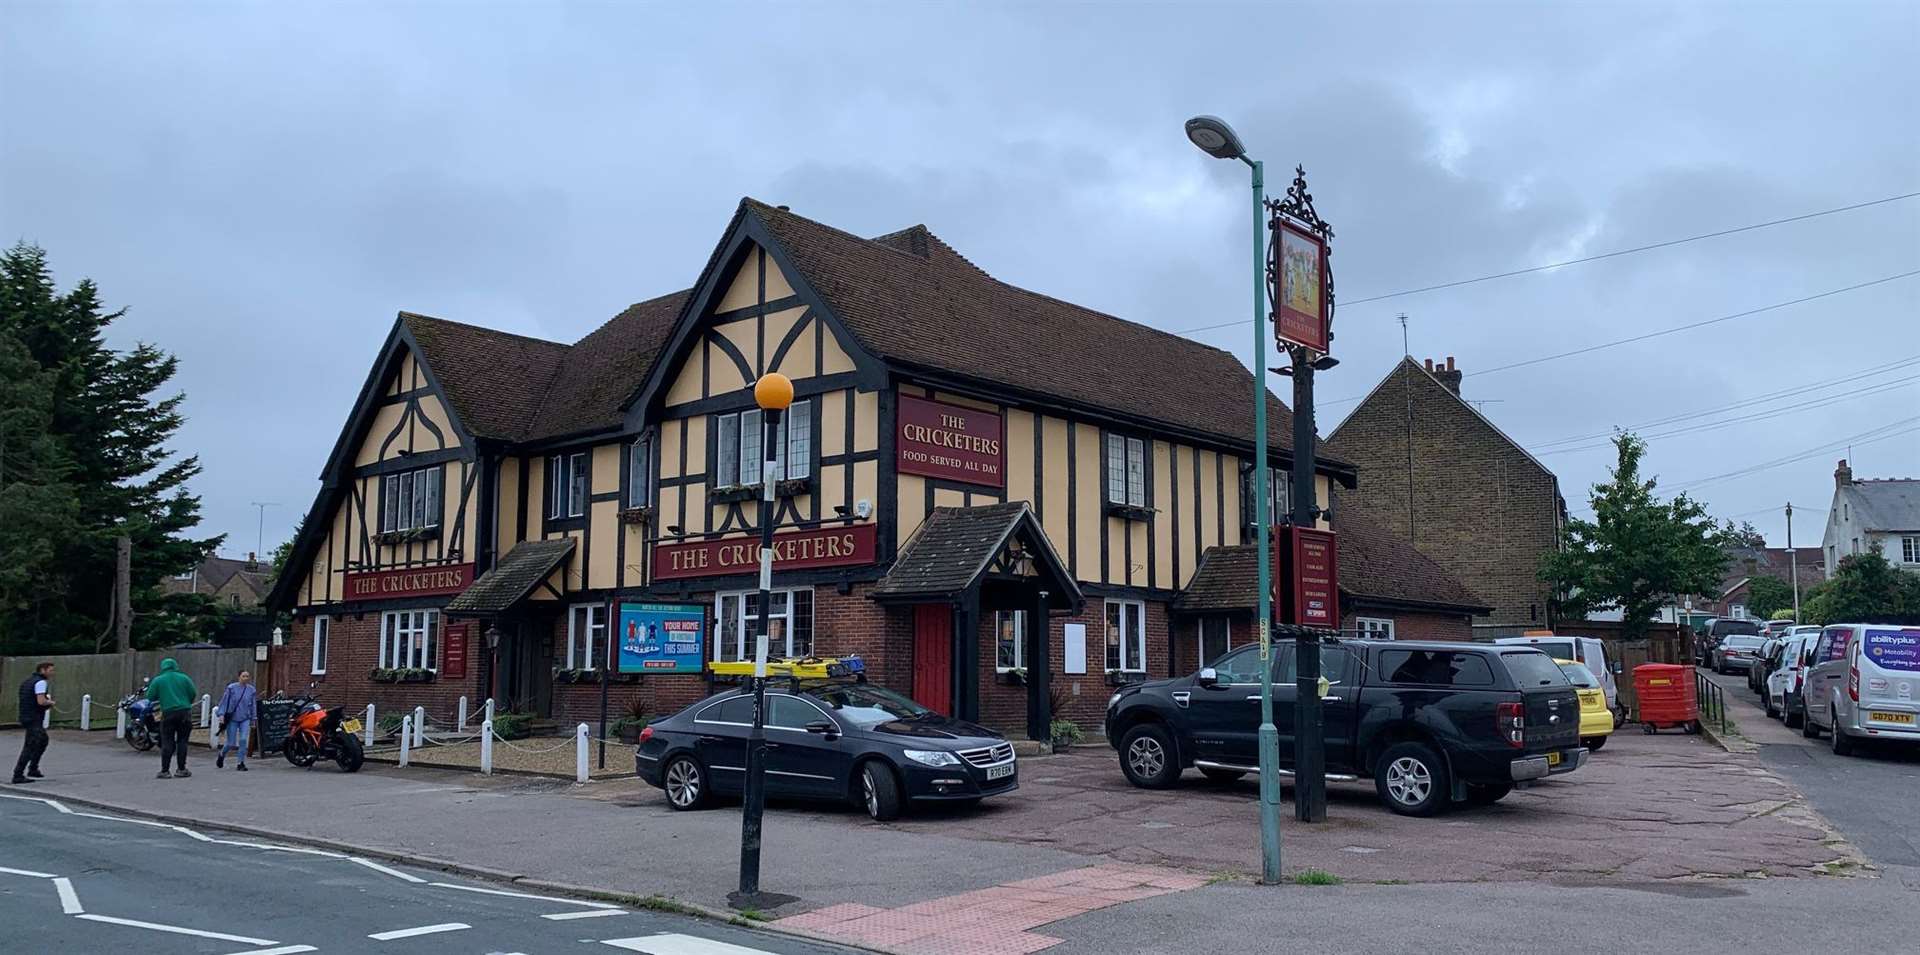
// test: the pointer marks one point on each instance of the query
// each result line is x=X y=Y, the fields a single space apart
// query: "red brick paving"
x=996 y=920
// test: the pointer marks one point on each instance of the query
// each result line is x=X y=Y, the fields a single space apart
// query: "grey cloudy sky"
x=264 y=189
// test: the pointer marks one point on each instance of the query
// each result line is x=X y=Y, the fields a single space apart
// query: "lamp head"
x=1215 y=137
x=773 y=392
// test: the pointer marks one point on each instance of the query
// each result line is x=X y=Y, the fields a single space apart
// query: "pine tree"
x=38 y=507
x=113 y=433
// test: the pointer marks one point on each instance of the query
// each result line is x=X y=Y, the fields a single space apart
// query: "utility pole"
x=123 y=594
x=1793 y=564
x=260 y=531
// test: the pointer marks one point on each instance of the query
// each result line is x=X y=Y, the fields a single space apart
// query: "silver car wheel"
x=1146 y=757
x=1409 y=781
x=867 y=794
x=683 y=783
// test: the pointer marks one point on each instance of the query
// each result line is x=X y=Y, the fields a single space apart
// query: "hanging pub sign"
x=1307 y=586
x=661 y=638
x=842 y=546
x=951 y=442
x=1301 y=314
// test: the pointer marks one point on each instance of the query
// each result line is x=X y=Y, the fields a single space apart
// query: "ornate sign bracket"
x=1295 y=211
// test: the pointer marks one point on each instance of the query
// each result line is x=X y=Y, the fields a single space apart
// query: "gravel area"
x=547 y=756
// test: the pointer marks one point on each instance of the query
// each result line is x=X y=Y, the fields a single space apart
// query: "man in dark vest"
x=36 y=698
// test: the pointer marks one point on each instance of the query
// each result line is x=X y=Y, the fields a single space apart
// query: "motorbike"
x=318 y=732
x=143 y=720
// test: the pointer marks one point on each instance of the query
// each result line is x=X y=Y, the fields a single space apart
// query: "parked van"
x=1785 y=684
x=1588 y=650
x=1863 y=682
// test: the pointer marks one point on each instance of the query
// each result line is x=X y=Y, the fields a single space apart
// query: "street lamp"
x=1217 y=139
x=773 y=393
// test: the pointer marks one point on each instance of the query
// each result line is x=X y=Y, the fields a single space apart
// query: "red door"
x=933 y=656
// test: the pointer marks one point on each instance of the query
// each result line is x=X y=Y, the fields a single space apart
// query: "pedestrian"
x=173 y=692
x=236 y=718
x=36 y=698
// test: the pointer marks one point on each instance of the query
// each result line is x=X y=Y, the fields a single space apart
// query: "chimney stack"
x=1447 y=374
x=1429 y=363
x=1842 y=475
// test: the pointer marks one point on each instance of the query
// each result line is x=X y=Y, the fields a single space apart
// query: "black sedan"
x=828 y=740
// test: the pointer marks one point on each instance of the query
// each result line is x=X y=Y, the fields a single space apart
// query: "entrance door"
x=933 y=656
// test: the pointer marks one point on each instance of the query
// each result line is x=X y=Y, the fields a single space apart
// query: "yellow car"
x=1595 y=722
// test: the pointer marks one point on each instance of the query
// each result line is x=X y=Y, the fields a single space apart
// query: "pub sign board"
x=950 y=442
x=408 y=582
x=661 y=638
x=1302 y=313
x=453 y=653
x=1307 y=584
x=845 y=546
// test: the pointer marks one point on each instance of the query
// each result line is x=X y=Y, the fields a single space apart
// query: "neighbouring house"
x=1437 y=473
x=1873 y=514
x=1388 y=589
x=987 y=493
x=1745 y=564
x=240 y=588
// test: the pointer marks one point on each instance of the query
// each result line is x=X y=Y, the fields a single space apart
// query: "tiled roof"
x=911 y=298
x=601 y=370
x=954 y=545
x=513 y=578
x=1373 y=564
x=1886 y=504
x=1745 y=563
x=216 y=572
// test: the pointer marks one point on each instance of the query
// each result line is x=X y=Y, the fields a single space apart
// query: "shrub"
x=512 y=725
x=1065 y=733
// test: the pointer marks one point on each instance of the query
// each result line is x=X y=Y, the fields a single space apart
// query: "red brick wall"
x=1004 y=706
x=353 y=650
x=1412 y=625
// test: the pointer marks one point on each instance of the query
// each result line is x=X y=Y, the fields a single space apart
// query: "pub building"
x=1003 y=502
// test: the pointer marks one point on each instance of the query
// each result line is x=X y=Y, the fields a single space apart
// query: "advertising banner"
x=662 y=638
x=951 y=442
x=1894 y=649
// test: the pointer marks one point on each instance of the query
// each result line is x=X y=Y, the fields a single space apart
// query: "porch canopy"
x=524 y=569
x=976 y=560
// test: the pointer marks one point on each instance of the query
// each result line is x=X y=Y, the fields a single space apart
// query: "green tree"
x=38 y=507
x=1864 y=588
x=1745 y=535
x=1767 y=596
x=1637 y=550
x=112 y=429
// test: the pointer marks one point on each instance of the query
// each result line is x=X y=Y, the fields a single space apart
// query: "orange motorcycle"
x=320 y=733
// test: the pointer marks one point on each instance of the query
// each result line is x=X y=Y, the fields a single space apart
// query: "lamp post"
x=1793 y=564
x=773 y=393
x=1217 y=139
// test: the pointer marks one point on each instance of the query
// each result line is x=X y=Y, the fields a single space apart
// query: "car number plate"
x=1000 y=772
x=352 y=726
x=1879 y=717
x=1553 y=759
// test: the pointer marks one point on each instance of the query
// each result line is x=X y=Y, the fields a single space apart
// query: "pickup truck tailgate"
x=1553 y=718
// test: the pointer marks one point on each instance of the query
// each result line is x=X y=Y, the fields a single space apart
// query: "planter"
x=407 y=536
x=379 y=675
x=637 y=515
x=1013 y=677
x=1124 y=677
x=628 y=733
x=416 y=676
x=626 y=678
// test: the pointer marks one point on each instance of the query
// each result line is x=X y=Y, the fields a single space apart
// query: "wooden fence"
x=1660 y=643
x=110 y=676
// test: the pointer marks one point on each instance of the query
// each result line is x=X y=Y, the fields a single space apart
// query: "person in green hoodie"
x=174 y=693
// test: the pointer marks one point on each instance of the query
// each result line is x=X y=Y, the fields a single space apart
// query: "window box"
x=791 y=487
x=624 y=677
x=642 y=515
x=384 y=675
x=576 y=675
x=1125 y=677
x=416 y=675
x=408 y=535
x=1014 y=677
x=1130 y=512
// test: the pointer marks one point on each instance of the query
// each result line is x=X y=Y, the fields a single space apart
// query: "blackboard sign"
x=276 y=717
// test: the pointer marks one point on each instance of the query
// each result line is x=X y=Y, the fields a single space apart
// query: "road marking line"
x=175 y=929
x=282 y=950
x=51 y=802
x=588 y=914
x=673 y=943
x=523 y=895
x=422 y=930
x=137 y=822
x=377 y=867
x=29 y=873
x=69 y=899
x=183 y=830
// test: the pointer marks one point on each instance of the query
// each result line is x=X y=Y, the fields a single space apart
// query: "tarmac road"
x=75 y=881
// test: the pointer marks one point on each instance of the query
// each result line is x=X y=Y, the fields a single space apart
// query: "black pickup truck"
x=1431 y=723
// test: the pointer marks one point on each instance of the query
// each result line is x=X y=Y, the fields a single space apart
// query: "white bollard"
x=580 y=754
x=406 y=737
x=486 y=745
x=489 y=711
x=86 y=711
x=367 y=729
x=463 y=715
x=206 y=702
x=119 y=722
x=419 y=726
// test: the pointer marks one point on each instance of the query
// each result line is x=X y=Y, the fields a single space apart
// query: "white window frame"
x=410 y=639
x=733 y=634
x=737 y=454
x=1200 y=638
x=322 y=632
x=583 y=648
x=1374 y=628
x=1910 y=549
x=1019 y=618
x=411 y=500
x=1126 y=471
x=640 y=472
x=1131 y=638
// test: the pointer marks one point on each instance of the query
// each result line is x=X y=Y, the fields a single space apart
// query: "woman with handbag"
x=237 y=707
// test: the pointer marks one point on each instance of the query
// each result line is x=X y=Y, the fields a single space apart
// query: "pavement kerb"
x=471 y=871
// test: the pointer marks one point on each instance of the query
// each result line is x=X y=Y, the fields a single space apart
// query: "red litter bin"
x=1667 y=697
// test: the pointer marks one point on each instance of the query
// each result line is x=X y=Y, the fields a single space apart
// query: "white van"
x=1785 y=698
x=1588 y=650
x=1863 y=682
